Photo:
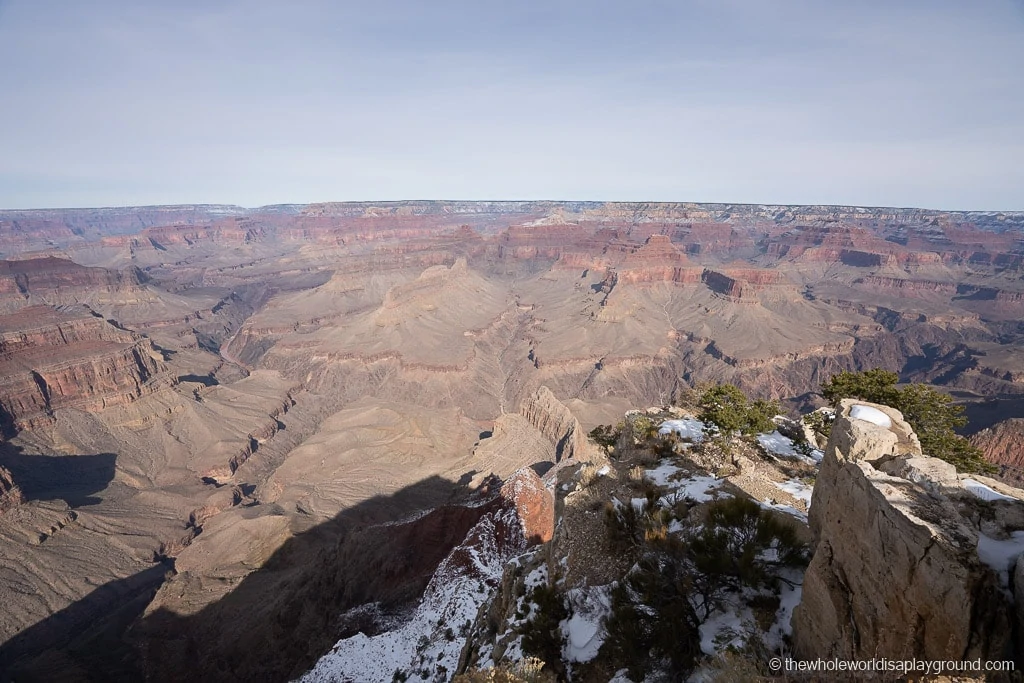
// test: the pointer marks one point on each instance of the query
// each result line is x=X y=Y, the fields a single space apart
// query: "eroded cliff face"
x=1003 y=445
x=911 y=560
x=10 y=494
x=558 y=424
x=52 y=359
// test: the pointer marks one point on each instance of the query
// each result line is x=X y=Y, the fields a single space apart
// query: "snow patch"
x=797 y=489
x=725 y=628
x=872 y=415
x=584 y=632
x=662 y=474
x=685 y=429
x=984 y=492
x=431 y=641
x=1001 y=555
x=789 y=598
x=782 y=446
x=782 y=507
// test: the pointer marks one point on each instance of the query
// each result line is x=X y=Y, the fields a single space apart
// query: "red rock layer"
x=1003 y=445
x=534 y=504
x=50 y=360
x=55 y=278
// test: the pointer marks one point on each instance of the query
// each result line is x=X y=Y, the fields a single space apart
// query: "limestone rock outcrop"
x=557 y=423
x=10 y=494
x=896 y=570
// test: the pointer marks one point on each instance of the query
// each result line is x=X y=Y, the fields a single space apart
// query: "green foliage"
x=876 y=386
x=652 y=619
x=820 y=422
x=930 y=413
x=643 y=427
x=741 y=546
x=529 y=670
x=676 y=584
x=543 y=637
x=729 y=409
x=604 y=436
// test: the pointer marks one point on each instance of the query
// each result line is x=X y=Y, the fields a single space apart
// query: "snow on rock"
x=984 y=492
x=870 y=414
x=1001 y=555
x=782 y=507
x=797 y=489
x=430 y=642
x=583 y=631
x=686 y=429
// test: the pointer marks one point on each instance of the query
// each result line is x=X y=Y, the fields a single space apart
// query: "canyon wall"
x=51 y=359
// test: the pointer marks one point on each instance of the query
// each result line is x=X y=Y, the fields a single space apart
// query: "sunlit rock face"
x=912 y=560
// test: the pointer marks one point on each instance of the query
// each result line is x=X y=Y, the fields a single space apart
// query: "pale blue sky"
x=873 y=102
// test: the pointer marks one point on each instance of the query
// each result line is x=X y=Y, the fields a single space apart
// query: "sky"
x=864 y=102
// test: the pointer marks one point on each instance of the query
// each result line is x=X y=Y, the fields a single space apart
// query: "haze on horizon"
x=112 y=103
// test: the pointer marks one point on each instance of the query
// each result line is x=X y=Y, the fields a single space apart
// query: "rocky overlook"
x=911 y=559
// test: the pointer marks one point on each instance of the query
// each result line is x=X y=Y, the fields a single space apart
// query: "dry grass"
x=526 y=671
x=589 y=475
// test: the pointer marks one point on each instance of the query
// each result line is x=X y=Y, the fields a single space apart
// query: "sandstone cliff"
x=898 y=568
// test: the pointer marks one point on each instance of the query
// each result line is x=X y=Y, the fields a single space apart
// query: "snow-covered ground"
x=727 y=627
x=686 y=429
x=797 y=489
x=782 y=446
x=538 y=576
x=431 y=641
x=584 y=629
x=680 y=484
x=782 y=507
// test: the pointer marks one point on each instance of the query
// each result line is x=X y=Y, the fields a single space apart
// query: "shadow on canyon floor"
x=276 y=622
x=83 y=642
x=989 y=412
x=71 y=478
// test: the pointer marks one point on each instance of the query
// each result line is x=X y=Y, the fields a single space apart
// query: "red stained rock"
x=534 y=504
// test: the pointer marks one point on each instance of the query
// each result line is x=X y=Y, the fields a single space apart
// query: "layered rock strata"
x=51 y=359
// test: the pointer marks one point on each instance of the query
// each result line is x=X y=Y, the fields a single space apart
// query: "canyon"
x=226 y=431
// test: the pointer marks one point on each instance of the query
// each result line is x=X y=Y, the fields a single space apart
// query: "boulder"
x=895 y=570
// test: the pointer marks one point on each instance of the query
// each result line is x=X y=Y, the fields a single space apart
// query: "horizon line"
x=496 y=201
